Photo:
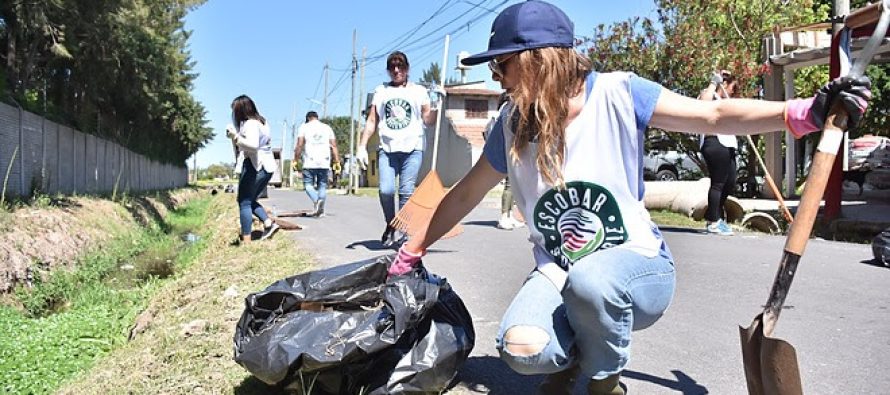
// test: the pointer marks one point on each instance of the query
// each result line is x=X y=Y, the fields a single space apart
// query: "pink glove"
x=804 y=116
x=404 y=262
x=798 y=117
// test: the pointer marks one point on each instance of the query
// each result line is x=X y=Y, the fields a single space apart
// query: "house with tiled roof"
x=468 y=109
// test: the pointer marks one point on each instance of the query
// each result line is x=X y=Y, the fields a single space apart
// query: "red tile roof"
x=473 y=134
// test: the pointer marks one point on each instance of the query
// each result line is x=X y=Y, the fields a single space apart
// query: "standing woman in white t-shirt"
x=571 y=140
x=719 y=152
x=254 y=144
x=399 y=112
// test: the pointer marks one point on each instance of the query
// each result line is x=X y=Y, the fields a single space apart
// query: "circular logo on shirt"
x=317 y=137
x=397 y=113
x=578 y=220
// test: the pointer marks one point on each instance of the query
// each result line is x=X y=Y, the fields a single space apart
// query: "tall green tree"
x=119 y=69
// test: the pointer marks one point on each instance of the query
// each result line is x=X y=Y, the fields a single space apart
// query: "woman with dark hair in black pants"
x=719 y=152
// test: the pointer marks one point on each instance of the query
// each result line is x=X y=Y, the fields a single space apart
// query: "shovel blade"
x=778 y=366
x=752 y=338
x=770 y=364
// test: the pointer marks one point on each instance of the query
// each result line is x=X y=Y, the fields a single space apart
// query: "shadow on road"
x=490 y=375
x=674 y=229
x=492 y=223
x=373 y=245
x=873 y=262
x=685 y=384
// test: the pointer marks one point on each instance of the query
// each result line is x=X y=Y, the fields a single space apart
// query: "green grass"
x=672 y=219
x=163 y=359
x=75 y=317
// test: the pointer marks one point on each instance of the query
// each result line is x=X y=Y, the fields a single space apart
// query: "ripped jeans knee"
x=527 y=350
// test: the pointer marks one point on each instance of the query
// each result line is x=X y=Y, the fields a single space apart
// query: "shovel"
x=770 y=363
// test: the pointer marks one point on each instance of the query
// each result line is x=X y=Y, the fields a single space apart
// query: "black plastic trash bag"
x=349 y=330
x=880 y=246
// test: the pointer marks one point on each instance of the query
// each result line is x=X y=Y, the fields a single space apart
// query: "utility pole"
x=362 y=108
x=195 y=165
x=283 y=145
x=293 y=135
x=352 y=168
x=324 y=99
x=361 y=82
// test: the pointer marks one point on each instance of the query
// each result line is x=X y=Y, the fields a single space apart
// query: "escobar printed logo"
x=397 y=113
x=578 y=220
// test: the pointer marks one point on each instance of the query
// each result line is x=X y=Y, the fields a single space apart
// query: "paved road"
x=837 y=313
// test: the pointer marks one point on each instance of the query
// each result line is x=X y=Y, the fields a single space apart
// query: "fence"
x=55 y=159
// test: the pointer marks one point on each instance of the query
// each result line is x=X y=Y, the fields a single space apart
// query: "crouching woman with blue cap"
x=571 y=140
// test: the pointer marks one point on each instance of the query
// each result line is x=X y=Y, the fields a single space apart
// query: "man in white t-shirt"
x=399 y=112
x=316 y=142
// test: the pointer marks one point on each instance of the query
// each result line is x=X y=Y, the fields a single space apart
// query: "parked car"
x=665 y=162
x=669 y=166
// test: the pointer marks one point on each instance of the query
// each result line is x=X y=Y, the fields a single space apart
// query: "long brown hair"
x=243 y=108
x=549 y=78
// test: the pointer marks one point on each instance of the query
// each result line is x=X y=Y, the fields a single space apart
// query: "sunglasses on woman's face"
x=401 y=66
x=497 y=65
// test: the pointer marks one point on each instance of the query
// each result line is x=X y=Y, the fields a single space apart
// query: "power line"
x=446 y=24
x=430 y=45
x=395 y=43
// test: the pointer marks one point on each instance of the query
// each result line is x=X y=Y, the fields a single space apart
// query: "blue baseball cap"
x=527 y=25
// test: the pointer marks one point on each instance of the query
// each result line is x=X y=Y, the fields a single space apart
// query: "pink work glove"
x=804 y=116
x=404 y=262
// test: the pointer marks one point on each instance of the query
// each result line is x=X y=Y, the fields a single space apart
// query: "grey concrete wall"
x=47 y=157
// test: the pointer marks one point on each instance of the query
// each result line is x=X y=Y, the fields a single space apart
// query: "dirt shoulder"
x=52 y=232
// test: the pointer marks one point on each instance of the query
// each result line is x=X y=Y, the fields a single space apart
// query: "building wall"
x=47 y=157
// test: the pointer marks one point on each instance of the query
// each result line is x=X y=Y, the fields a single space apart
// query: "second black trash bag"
x=349 y=330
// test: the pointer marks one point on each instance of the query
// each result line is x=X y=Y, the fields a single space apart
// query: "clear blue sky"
x=275 y=50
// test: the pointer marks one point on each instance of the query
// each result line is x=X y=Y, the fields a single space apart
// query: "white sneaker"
x=506 y=223
x=268 y=232
x=319 y=208
x=516 y=223
x=719 y=227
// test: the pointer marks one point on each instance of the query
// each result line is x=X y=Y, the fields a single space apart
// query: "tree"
x=340 y=125
x=217 y=170
x=432 y=75
x=115 y=68
x=695 y=38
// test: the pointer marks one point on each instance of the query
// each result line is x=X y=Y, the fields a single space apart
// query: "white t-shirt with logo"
x=317 y=146
x=602 y=204
x=400 y=116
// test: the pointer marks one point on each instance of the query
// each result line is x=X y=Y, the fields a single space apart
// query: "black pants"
x=722 y=168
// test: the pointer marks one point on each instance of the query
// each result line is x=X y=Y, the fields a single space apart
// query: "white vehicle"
x=663 y=162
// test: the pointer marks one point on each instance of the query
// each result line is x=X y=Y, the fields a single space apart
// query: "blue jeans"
x=250 y=185
x=405 y=165
x=313 y=177
x=607 y=295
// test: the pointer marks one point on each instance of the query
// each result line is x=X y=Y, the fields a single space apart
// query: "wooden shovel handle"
x=817 y=179
x=800 y=230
